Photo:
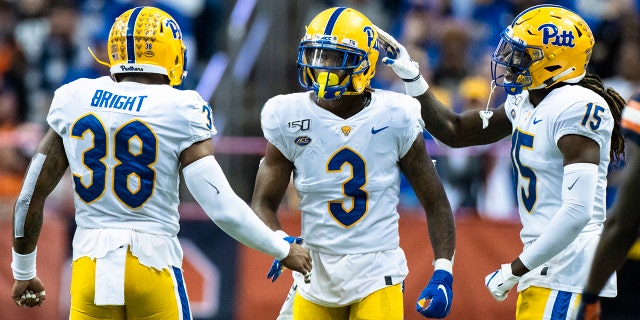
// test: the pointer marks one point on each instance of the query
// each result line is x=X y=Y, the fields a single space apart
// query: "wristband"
x=443 y=264
x=281 y=234
x=24 y=265
x=416 y=87
x=414 y=79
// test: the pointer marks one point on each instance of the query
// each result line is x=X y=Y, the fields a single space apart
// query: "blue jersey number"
x=521 y=140
x=592 y=117
x=352 y=187
x=206 y=109
x=134 y=148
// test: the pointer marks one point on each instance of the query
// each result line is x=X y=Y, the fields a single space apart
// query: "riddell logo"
x=131 y=69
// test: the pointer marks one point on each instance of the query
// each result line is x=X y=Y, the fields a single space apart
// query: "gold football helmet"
x=147 y=39
x=544 y=45
x=338 y=53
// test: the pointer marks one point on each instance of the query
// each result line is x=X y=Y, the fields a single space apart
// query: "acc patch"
x=302 y=141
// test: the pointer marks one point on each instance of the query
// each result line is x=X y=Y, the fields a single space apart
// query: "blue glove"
x=440 y=293
x=276 y=266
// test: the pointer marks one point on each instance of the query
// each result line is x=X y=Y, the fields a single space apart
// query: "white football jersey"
x=539 y=171
x=123 y=142
x=537 y=161
x=346 y=170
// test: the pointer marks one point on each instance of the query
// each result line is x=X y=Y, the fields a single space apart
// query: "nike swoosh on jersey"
x=444 y=290
x=374 y=130
x=535 y=121
x=211 y=184
x=573 y=184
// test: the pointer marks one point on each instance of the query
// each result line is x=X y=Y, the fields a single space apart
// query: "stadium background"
x=243 y=52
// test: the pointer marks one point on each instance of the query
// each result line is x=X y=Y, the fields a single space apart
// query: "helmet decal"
x=370 y=35
x=550 y=32
x=175 y=30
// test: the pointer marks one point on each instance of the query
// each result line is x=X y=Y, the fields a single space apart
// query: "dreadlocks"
x=616 y=104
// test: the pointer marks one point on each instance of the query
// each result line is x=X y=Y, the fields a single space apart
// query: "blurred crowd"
x=43 y=44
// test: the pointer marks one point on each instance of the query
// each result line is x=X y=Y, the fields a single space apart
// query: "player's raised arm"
x=455 y=130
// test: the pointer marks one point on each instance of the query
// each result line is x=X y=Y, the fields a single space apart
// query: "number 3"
x=351 y=187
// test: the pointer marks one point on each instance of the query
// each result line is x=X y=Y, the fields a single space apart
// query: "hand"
x=501 y=281
x=299 y=260
x=398 y=57
x=28 y=293
x=276 y=266
x=440 y=294
x=589 y=308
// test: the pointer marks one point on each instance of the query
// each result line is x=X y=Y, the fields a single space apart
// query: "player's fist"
x=435 y=300
x=28 y=293
x=501 y=281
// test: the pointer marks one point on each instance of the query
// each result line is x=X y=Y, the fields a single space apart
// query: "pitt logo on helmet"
x=370 y=35
x=175 y=29
x=146 y=39
x=550 y=32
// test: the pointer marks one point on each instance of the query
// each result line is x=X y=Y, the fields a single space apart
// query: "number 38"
x=134 y=151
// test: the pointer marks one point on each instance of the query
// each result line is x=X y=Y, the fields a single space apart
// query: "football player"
x=347 y=145
x=621 y=229
x=564 y=132
x=125 y=138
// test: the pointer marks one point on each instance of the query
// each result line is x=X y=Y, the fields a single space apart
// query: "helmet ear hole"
x=578 y=31
x=553 y=68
